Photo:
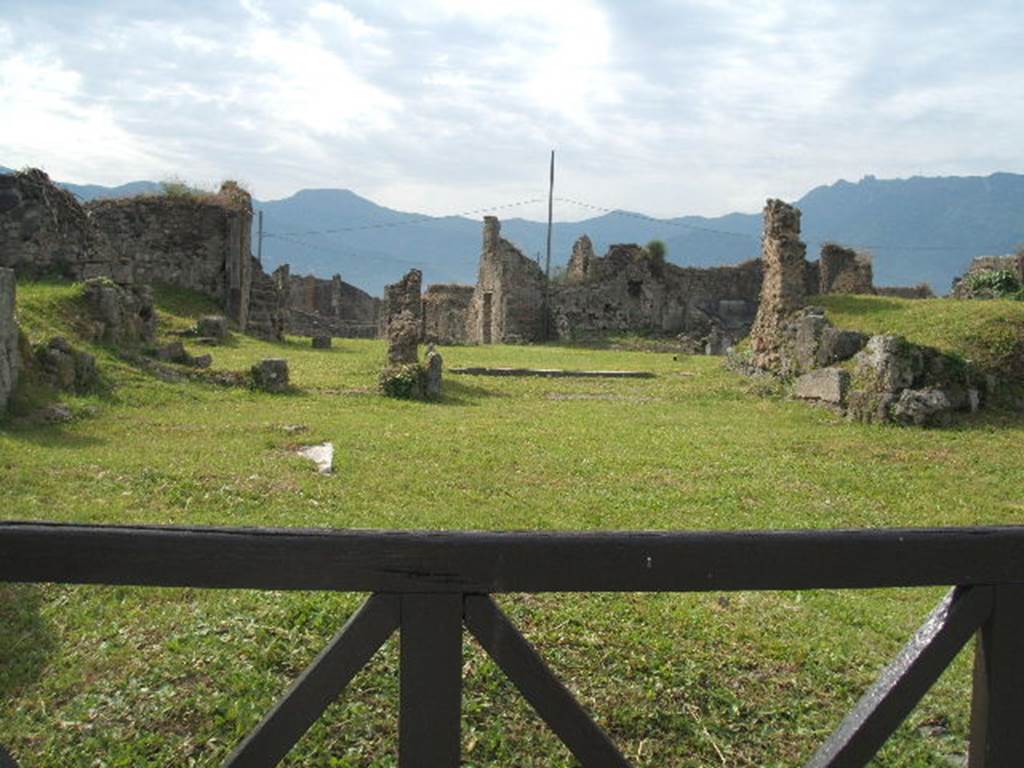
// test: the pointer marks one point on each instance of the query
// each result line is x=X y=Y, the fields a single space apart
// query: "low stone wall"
x=446 y=313
x=10 y=360
x=920 y=291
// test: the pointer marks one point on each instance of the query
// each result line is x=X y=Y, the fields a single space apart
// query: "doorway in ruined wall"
x=487 y=317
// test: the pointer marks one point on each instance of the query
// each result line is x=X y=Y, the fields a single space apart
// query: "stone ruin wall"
x=844 y=270
x=10 y=362
x=1012 y=263
x=508 y=300
x=320 y=307
x=784 y=287
x=200 y=243
x=628 y=290
x=44 y=231
x=446 y=313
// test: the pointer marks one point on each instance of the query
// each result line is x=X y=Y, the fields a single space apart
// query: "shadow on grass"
x=50 y=436
x=461 y=394
x=27 y=641
x=861 y=305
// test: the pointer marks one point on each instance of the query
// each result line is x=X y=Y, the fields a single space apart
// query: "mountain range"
x=922 y=229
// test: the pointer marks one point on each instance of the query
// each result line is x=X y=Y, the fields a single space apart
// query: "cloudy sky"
x=665 y=107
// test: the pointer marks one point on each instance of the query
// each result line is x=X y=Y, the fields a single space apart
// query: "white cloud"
x=665 y=107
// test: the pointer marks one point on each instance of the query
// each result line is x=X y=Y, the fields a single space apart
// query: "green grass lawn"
x=153 y=677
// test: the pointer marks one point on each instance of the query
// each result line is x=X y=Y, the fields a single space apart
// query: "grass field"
x=152 y=677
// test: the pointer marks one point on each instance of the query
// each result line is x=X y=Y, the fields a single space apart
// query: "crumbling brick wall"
x=844 y=270
x=783 y=288
x=10 y=360
x=405 y=296
x=509 y=298
x=446 y=313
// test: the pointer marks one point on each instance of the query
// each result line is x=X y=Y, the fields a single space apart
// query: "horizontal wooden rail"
x=487 y=562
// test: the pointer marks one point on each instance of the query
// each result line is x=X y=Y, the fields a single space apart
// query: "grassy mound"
x=988 y=333
x=133 y=677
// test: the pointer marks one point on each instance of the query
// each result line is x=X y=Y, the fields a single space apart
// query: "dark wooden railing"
x=430 y=584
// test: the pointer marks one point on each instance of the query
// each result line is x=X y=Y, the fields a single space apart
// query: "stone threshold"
x=553 y=373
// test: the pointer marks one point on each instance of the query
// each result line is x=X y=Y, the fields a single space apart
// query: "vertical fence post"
x=997 y=708
x=430 y=710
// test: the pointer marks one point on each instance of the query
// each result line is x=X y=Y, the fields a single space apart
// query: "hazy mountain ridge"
x=921 y=229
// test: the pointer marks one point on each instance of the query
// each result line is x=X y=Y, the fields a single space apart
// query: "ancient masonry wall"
x=405 y=296
x=201 y=243
x=319 y=307
x=44 y=231
x=628 y=290
x=508 y=300
x=10 y=363
x=843 y=270
x=446 y=313
x=783 y=289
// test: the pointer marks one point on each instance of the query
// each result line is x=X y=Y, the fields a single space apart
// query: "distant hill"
x=919 y=229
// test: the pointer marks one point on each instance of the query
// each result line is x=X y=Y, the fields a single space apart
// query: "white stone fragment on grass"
x=322 y=455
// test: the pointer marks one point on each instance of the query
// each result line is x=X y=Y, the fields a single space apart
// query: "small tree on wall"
x=657 y=250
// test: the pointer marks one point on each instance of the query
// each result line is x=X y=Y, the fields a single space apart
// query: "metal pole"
x=547 y=259
x=259 y=237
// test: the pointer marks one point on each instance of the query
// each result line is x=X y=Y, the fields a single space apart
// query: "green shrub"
x=405 y=382
x=995 y=284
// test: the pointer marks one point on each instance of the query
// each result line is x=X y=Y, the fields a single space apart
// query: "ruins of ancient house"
x=319 y=307
x=627 y=290
x=199 y=242
x=509 y=298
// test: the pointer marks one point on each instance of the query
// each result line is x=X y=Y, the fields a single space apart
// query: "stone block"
x=213 y=327
x=271 y=375
x=922 y=407
x=321 y=342
x=434 y=374
x=889 y=363
x=828 y=385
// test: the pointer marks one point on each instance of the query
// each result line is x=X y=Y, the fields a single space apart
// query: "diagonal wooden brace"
x=539 y=686
x=902 y=684
x=319 y=685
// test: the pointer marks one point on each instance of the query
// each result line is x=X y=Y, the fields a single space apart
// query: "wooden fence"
x=429 y=585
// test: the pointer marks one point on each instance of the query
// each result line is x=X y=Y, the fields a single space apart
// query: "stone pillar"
x=238 y=259
x=579 y=262
x=403 y=318
x=782 y=291
x=10 y=360
x=492 y=233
